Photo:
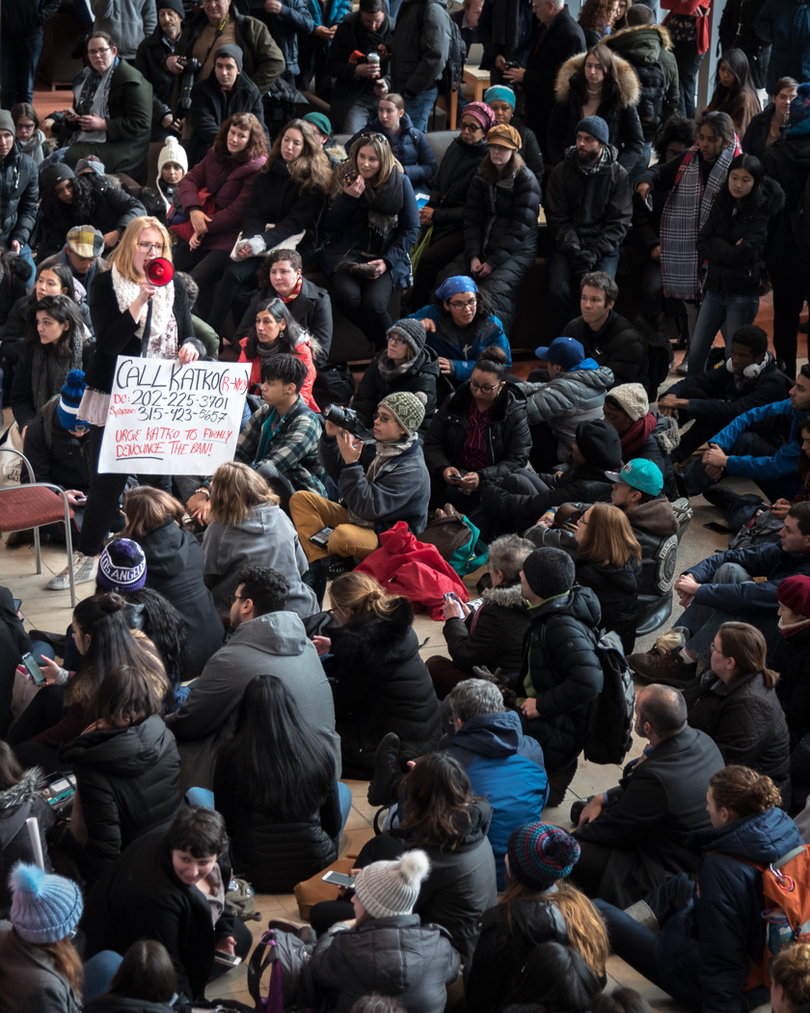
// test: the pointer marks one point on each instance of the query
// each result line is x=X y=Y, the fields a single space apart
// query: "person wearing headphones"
x=716 y=397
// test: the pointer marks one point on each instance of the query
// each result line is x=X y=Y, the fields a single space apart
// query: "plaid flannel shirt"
x=293 y=450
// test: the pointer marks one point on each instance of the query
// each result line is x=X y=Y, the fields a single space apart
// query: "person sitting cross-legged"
x=723 y=589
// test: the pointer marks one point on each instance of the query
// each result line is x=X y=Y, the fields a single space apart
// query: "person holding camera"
x=378 y=490
x=150 y=61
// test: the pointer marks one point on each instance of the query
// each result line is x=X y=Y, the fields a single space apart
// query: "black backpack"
x=650 y=107
x=610 y=723
x=456 y=54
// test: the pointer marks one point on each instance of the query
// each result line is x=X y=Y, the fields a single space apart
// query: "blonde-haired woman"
x=790 y=979
x=735 y=703
x=130 y=317
x=379 y=680
x=609 y=563
x=174 y=567
x=538 y=906
x=247 y=527
x=370 y=229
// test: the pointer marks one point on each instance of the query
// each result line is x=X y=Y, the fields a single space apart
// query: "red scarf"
x=295 y=291
x=636 y=436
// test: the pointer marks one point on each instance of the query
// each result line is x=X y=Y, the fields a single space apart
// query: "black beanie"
x=174 y=5
x=52 y=175
x=549 y=572
x=599 y=444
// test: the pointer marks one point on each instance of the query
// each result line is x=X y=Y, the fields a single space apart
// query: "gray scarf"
x=49 y=370
x=94 y=88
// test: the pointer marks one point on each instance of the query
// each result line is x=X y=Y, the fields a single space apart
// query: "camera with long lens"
x=191 y=68
x=346 y=418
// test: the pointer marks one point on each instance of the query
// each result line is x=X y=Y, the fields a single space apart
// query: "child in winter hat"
x=44 y=908
x=172 y=166
x=386 y=889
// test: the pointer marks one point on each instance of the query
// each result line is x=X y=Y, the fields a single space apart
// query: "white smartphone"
x=226 y=958
x=338 y=879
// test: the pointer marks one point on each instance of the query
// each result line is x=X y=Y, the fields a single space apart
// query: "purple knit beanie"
x=540 y=854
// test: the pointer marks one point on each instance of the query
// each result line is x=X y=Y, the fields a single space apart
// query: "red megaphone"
x=160 y=271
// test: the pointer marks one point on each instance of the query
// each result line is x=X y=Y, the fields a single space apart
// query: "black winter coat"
x=150 y=60
x=745 y=720
x=211 y=106
x=493 y=634
x=311 y=308
x=25 y=21
x=616 y=587
x=563 y=672
x=562 y=39
x=451 y=184
x=13 y=287
x=112 y=208
x=461 y=884
x=23 y=400
x=422 y=376
x=121 y=1004
x=500 y=219
x=530 y=150
x=756 y=135
x=14 y=643
x=788 y=162
x=56 y=455
x=588 y=214
x=115 y=331
x=174 y=566
x=141 y=897
x=580 y=483
x=19 y=193
x=421 y=46
x=618 y=110
x=733 y=244
x=128 y=783
x=272 y=853
x=501 y=951
x=17 y=803
x=381 y=685
x=792 y=661
x=508 y=439
x=617 y=345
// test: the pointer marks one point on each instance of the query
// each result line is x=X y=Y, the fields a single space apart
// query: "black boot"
x=387 y=773
x=315 y=577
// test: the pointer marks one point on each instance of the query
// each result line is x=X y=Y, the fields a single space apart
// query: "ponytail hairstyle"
x=743 y=791
x=746 y=645
x=791 y=970
x=492 y=360
x=355 y=594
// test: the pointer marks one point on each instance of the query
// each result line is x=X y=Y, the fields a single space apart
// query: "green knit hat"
x=407 y=408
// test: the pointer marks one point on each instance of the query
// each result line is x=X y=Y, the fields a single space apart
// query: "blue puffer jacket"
x=506 y=768
x=705 y=952
x=410 y=146
x=749 y=600
x=463 y=346
x=783 y=463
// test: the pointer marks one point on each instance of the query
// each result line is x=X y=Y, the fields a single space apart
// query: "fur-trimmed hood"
x=626 y=90
x=507 y=596
x=644 y=43
x=371 y=641
x=25 y=790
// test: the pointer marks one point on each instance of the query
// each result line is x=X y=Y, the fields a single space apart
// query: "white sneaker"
x=84 y=570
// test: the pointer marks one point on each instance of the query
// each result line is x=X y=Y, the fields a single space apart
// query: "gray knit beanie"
x=44 y=908
x=386 y=889
x=412 y=333
x=549 y=572
x=407 y=408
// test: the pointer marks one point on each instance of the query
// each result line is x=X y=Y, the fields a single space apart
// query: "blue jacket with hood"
x=783 y=463
x=705 y=951
x=749 y=601
x=463 y=347
x=410 y=146
x=507 y=769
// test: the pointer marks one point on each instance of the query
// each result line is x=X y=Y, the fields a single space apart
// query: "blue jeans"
x=203 y=796
x=18 y=66
x=418 y=108
x=562 y=279
x=631 y=941
x=747 y=444
x=735 y=311
x=99 y=972
x=702 y=621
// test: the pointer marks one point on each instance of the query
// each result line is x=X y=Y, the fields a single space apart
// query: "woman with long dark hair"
x=274 y=784
x=735 y=703
x=145 y=982
x=275 y=331
x=538 y=906
x=227 y=172
x=597 y=83
x=609 y=563
x=68 y=200
x=369 y=231
x=732 y=242
x=285 y=205
x=500 y=223
x=56 y=343
x=734 y=90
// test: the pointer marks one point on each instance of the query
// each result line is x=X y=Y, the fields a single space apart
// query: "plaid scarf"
x=686 y=210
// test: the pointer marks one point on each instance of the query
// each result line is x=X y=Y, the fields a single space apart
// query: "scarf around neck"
x=163 y=330
x=636 y=436
x=685 y=212
x=385 y=453
x=383 y=207
x=49 y=370
x=94 y=88
x=789 y=629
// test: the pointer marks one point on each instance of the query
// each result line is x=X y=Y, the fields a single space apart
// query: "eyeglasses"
x=146 y=247
x=484 y=388
x=465 y=304
x=382 y=418
x=716 y=650
x=236 y=597
x=473 y=128
x=396 y=341
x=98 y=52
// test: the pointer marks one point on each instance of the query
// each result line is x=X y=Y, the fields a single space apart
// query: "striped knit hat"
x=540 y=854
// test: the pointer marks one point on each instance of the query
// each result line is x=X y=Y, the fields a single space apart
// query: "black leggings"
x=206 y=267
x=238 y=278
x=365 y=302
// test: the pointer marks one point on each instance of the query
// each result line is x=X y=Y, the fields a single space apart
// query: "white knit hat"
x=172 y=151
x=386 y=889
x=633 y=399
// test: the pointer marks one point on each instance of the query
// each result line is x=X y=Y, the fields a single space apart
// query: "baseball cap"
x=640 y=474
x=565 y=352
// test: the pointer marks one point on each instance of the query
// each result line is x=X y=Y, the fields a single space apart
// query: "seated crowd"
x=204 y=707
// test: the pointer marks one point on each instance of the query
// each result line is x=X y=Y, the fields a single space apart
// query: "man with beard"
x=588 y=209
x=150 y=60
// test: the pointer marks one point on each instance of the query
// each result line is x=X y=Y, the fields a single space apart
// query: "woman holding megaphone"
x=137 y=309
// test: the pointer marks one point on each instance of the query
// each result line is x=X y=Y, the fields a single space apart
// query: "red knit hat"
x=794 y=592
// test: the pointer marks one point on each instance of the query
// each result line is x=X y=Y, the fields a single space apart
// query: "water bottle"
x=779 y=931
x=374 y=61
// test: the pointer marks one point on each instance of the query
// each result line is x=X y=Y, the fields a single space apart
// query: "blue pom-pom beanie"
x=44 y=908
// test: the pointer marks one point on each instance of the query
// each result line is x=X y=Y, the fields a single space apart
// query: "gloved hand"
x=256 y=243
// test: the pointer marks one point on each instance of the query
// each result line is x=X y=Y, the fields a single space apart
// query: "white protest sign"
x=168 y=419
